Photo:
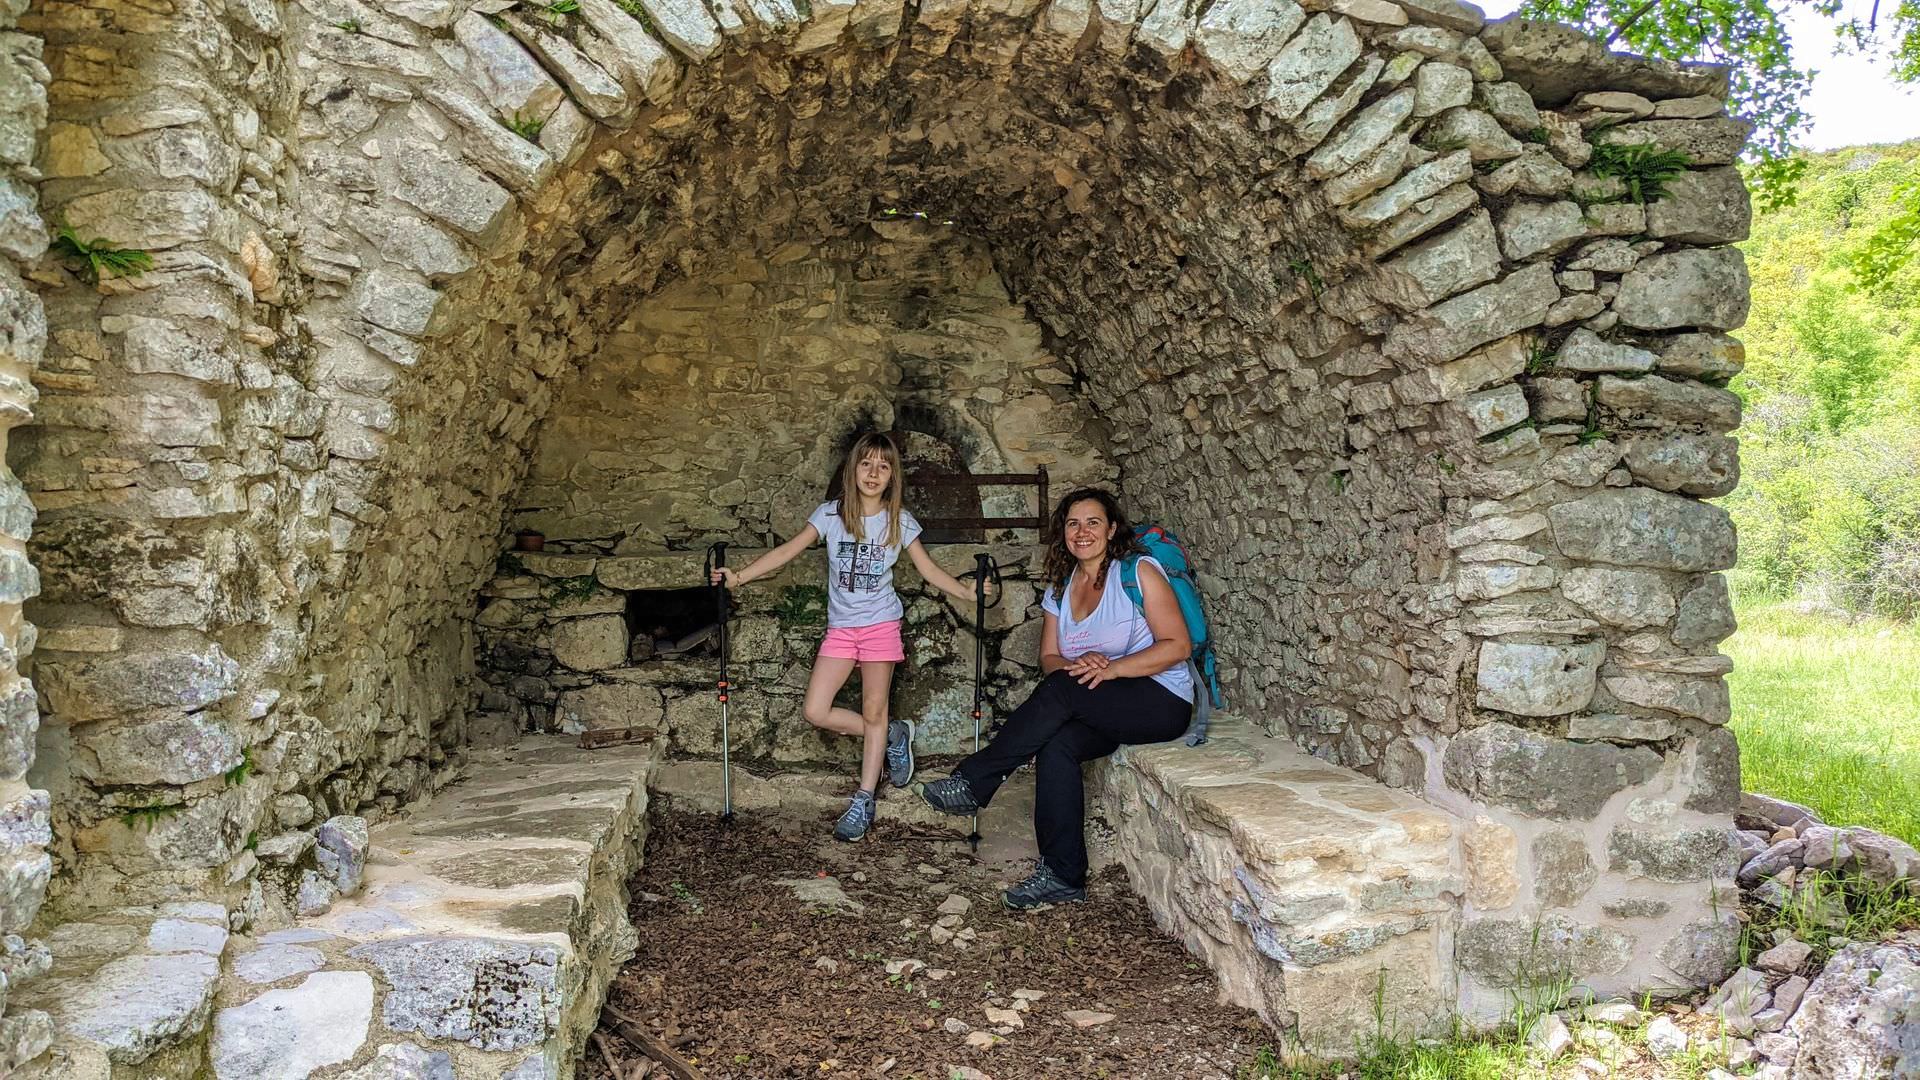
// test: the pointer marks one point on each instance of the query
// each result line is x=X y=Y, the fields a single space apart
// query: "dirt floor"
x=771 y=952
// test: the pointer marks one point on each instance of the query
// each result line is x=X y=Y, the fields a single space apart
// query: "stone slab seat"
x=1324 y=900
x=490 y=923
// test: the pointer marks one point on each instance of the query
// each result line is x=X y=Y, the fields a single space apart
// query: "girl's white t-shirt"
x=1115 y=628
x=860 y=572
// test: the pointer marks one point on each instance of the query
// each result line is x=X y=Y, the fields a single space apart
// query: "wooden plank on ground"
x=636 y=1034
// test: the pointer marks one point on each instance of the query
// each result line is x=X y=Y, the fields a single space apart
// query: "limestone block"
x=1703 y=465
x=1706 y=613
x=404 y=1061
x=1534 y=172
x=1641 y=527
x=593 y=643
x=1440 y=86
x=146 y=219
x=1377 y=12
x=1694 y=287
x=1455 y=326
x=1713 y=772
x=1670 y=401
x=608 y=705
x=1485 y=582
x=340 y=848
x=1677 y=855
x=1369 y=174
x=481 y=137
x=1492 y=864
x=1702 y=699
x=597 y=92
x=1583 y=464
x=1406 y=194
x=1629 y=599
x=687 y=25
x=1585 y=350
x=23 y=888
x=1712 y=141
x=1702 y=355
x=1510 y=104
x=399 y=304
x=1856 y=1017
x=1458 y=259
x=1702 y=206
x=1404 y=974
x=1478 y=132
x=272 y=962
x=694 y=722
x=1512 y=952
x=167 y=750
x=1495 y=410
x=1537 y=680
x=1362 y=135
x=136 y=1005
x=1531 y=227
x=1703 y=952
x=1242 y=37
x=489 y=993
x=1307 y=65
x=511 y=81
x=1562 y=869
x=315 y=894
x=134 y=680
x=1540 y=775
x=288 y=1034
x=1421 y=217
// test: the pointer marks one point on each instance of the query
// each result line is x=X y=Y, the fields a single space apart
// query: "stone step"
x=480 y=945
x=1306 y=886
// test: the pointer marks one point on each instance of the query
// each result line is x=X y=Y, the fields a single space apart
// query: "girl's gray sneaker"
x=900 y=753
x=853 y=824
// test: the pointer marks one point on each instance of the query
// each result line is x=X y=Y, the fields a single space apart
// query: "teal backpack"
x=1165 y=548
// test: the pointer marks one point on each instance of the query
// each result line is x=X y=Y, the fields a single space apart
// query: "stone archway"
x=1433 y=408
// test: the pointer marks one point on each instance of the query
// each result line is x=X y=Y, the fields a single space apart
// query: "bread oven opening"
x=671 y=624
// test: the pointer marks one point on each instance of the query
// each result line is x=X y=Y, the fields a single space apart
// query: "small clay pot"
x=529 y=540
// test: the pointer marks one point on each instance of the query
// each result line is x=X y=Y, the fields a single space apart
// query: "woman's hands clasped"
x=1090 y=669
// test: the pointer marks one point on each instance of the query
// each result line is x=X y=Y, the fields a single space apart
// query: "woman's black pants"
x=1061 y=725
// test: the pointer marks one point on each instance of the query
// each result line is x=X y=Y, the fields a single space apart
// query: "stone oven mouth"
x=671 y=624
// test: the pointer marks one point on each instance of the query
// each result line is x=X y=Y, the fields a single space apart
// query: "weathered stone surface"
x=1715 y=141
x=1640 y=527
x=609 y=705
x=490 y=993
x=1703 y=287
x=1555 y=62
x=1534 y=172
x=1629 y=599
x=273 y=962
x=1702 y=206
x=1541 y=775
x=512 y=81
x=1510 y=104
x=1703 y=465
x=1492 y=864
x=1704 y=951
x=1241 y=38
x=1671 y=855
x=1510 y=952
x=1461 y=258
x=1562 y=869
x=1405 y=196
x=133 y=681
x=1453 y=327
x=1670 y=401
x=593 y=643
x=1708 y=355
x=1861 y=1015
x=1530 y=227
x=340 y=847
x=1441 y=86
x=1478 y=132
x=137 y=1004
x=1306 y=65
x=170 y=750
x=1361 y=136
x=1537 y=680
x=1496 y=410
x=287 y=1034
x=1585 y=350
x=404 y=1061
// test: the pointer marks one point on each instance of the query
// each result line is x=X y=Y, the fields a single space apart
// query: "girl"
x=866 y=528
x=1116 y=673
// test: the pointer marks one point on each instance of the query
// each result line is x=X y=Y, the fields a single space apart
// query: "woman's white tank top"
x=1114 y=628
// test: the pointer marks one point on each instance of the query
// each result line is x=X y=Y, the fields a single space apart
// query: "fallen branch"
x=636 y=1035
x=606 y=1055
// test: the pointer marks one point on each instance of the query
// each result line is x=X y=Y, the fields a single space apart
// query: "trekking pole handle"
x=717 y=560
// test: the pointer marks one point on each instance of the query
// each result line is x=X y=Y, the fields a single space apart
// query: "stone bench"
x=1324 y=900
x=490 y=923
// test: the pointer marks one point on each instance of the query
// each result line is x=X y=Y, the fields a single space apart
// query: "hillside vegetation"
x=1829 y=502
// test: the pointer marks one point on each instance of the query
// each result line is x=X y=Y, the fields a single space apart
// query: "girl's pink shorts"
x=881 y=641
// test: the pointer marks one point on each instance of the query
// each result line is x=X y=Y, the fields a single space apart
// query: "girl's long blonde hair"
x=866 y=446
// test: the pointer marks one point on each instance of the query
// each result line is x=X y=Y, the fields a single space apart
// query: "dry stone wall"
x=1432 y=399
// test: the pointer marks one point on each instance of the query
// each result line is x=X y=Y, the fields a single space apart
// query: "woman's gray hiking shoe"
x=951 y=796
x=900 y=753
x=853 y=824
x=1040 y=889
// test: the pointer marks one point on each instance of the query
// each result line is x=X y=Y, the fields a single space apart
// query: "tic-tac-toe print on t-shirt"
x=860 y=567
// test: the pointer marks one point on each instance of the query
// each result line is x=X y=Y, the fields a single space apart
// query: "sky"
x=1852 y=102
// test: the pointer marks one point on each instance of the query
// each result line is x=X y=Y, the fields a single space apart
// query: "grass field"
x=1828 y=714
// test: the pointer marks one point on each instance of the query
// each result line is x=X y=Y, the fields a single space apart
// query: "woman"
x=1115 y=674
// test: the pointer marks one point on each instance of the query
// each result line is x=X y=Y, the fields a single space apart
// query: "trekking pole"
x=716 y=560
x=983 y=570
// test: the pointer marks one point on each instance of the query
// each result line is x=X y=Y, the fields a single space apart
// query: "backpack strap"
x=1130 y=580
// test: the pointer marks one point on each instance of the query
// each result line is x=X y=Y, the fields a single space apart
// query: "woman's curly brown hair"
x=1060 y=562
